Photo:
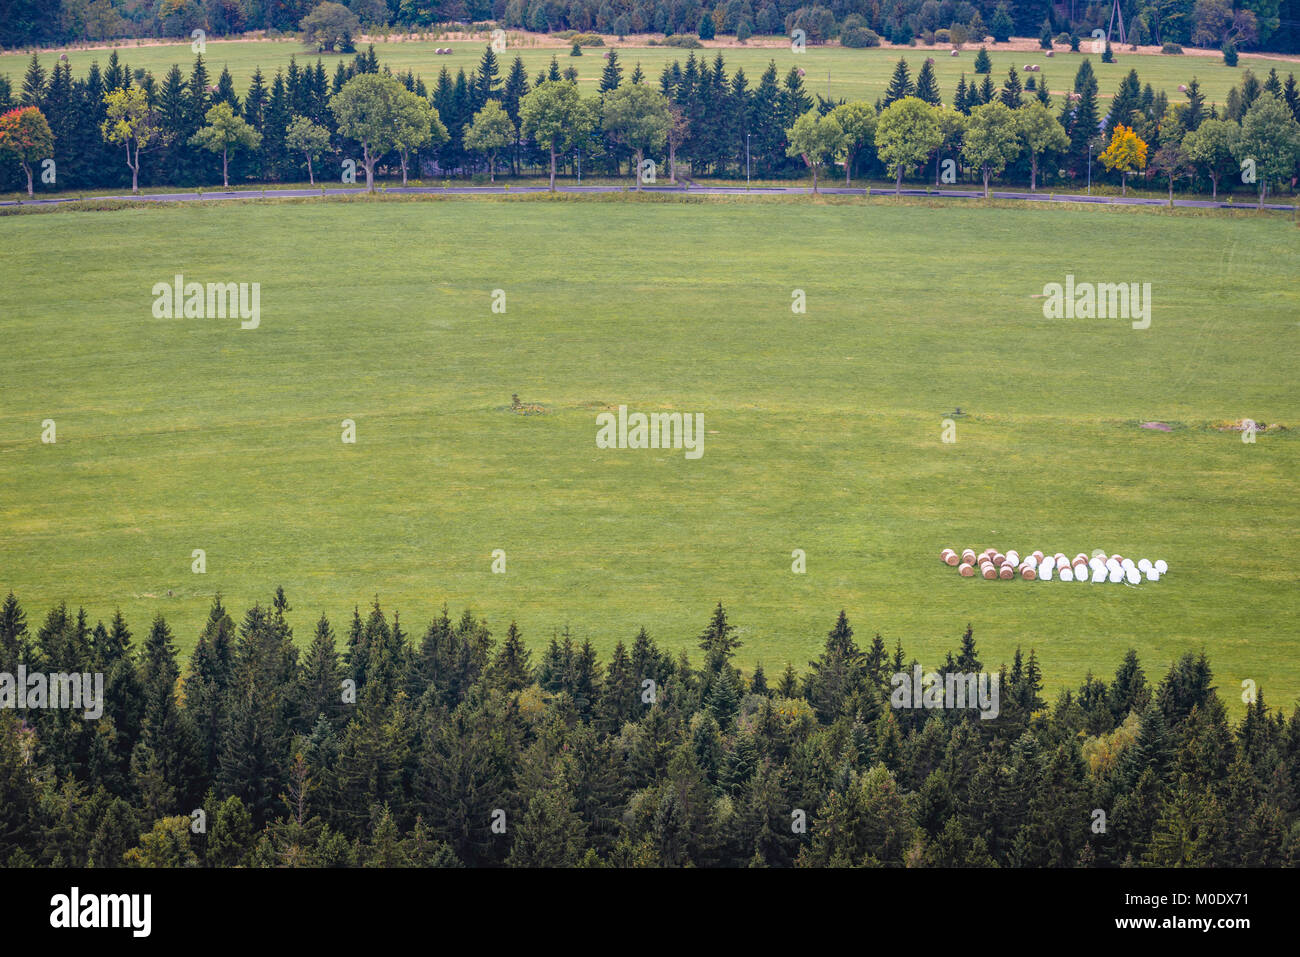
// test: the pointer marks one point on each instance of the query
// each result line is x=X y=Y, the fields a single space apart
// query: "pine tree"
x=512 y=670
x=960 y=102
x=612 y=75
x=927 y=86
x=983 y=62
x=1011 y=90
x=900 y=84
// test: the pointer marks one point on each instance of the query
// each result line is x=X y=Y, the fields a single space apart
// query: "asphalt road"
x=691 y=190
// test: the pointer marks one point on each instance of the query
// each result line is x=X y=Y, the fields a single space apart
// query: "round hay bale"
x=955 y=53
x=1013 y=556
x=1006 y=571
x=1049 y=53
x=968 y=556
x=999 y=559
x=948 y=556
x=1038 y=556
x=989 y=572
x=1028 y=573
x=966 y=570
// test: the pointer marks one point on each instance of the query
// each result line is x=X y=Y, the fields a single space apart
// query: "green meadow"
x=823 y=429
x=833 y=70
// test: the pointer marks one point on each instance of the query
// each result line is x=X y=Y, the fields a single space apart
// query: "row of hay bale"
x=1038 y=566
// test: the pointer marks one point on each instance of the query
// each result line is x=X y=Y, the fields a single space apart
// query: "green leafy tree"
x=372 y=109
x=1270 y=139
x=225 y=131
x=490 y=132
x=992 y=140
x=906 y=134
x=858 y=122
x=1212 y=147
x=817 y=139
x=308 y=138
x=330 y=26
x=557 y=118
x=1041 y=133
x=639 y=118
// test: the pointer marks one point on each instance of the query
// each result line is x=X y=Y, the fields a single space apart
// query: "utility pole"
x=746 y=161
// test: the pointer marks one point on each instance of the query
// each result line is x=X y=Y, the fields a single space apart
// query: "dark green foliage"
x=456 y=751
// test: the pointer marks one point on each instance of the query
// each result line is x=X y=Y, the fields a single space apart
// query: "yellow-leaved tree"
x=1127 y=153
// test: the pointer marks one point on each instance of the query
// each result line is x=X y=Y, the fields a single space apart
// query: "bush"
x=683 y=41
x=927 y=37
x=588 y=39
x=958 y=34
x=1230 y=54
x=942 y=36
x=859 y=37
x=1171 y=48
x=1062 y=40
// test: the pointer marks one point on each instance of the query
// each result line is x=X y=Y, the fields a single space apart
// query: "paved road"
x=692 y=190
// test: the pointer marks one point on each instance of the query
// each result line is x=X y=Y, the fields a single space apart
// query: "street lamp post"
x=746 y=161
x=1089 y=167
x=578 y=154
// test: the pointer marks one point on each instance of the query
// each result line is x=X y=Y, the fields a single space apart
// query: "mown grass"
x=824 y=429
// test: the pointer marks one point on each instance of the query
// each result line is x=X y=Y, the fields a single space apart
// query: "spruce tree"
x=1012 y=90
x=983 y=62
x=900 y=84
x=612 y=75
x=927 y=86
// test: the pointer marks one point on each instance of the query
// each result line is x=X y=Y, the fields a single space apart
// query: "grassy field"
x=850 y=74
x=823 y=429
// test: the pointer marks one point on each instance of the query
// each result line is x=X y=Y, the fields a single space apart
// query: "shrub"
x=683 y=41
x=859 y=37
x=1230 y=54
x=588 y=39
x=942 y=36
x=1062 y=40
x=1172 y=48
x=958 y=33
x=576 y=50
x=1074 y=43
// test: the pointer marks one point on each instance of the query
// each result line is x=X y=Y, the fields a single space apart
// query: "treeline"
x=718 y=123
x=1268 y=24
x=457 y=748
